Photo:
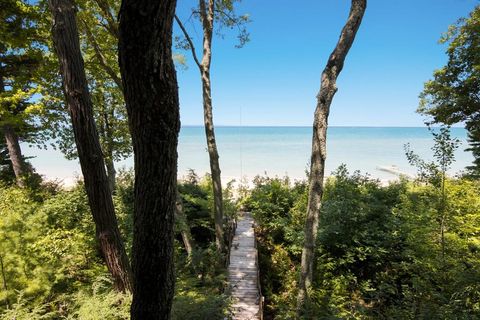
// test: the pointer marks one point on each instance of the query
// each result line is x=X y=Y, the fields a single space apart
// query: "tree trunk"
x=443 y=217
x=15 y=154
x=66 y=41
x=4 y=278
x=207 y=18
x=319 y=151
x=13 y=147
x=111 y=173
x=207 y=22
x=184 y=227
x=108 y=152
x=151 y=95
x=214 y=163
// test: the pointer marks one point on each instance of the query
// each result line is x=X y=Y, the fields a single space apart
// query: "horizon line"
x=309 y=126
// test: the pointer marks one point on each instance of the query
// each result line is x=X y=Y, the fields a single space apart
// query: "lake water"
x=248 y=151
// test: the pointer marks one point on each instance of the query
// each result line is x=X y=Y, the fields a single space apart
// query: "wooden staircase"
x=243 y=272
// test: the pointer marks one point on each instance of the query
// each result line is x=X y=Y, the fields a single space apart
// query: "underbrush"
x=51 y=267
x=379 y=253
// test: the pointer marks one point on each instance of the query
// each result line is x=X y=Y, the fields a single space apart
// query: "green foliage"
x=441 y=285
x=452 y=96
x=360 y=245
x=196 y=301
x=101 y=303
x=123 y=200
x=443 y=151
x=197 y=206
x=279 y=208
x=47 y=244
x=379 y=254
x=197 y=199
x=98 y=32
x=21 y=311
x=225 y=17
x=52 y=267
x=20 y=56
x=379 y=250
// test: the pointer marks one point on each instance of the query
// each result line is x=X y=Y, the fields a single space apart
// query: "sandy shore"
x=247 y=180
x=236 y=182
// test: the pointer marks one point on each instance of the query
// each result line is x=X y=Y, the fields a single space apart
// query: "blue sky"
x=274 y=79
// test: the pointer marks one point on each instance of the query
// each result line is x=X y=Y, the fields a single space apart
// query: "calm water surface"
x=248 y=151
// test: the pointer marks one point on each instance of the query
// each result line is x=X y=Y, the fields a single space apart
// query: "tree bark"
x=207 y=14
x=15 y=154
x=111 y=173
x=13 y=147
x=66 y=41
x=151 y=95
x=184 y=227
x=100 y=56
x=443 y=216
x=107 y=135
x=207 y=18
x=319 y=147
x=214 y=162
x=4 y=278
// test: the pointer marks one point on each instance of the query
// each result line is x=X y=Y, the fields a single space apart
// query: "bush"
x=52 y=268
x=378 y=255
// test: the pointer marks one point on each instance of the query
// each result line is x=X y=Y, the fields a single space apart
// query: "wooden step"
x=243 y=271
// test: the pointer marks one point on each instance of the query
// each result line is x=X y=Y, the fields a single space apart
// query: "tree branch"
x=228 y=16
x=234 y=20
x=112 y=25
x=190 y=42
x=101 y=58
x=207 y=18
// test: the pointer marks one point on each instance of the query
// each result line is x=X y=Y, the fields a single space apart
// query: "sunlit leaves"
x=453 y=95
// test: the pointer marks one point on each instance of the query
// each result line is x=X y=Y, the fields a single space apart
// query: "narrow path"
x=243 y=271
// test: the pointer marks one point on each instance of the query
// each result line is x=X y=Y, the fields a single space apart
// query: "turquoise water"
x=248 y=151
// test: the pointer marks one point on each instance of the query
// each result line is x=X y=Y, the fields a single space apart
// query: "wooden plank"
x=243 y=270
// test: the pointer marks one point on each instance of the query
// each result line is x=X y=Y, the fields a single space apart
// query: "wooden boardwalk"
x=243 y=272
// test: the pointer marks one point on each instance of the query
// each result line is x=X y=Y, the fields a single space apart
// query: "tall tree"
x=151 y=95
x=453 y=96
x=328 y=89
x=100 y=35
x=98 y=32
x=209 y=12
x=111 y=120
x=20 y=55
x=67 y=45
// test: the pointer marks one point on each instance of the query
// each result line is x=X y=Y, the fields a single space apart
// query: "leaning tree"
x=328 y=89
x=77 y=97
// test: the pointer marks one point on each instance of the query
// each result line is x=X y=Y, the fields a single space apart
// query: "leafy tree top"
x=454 y=93
x=21 y=53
